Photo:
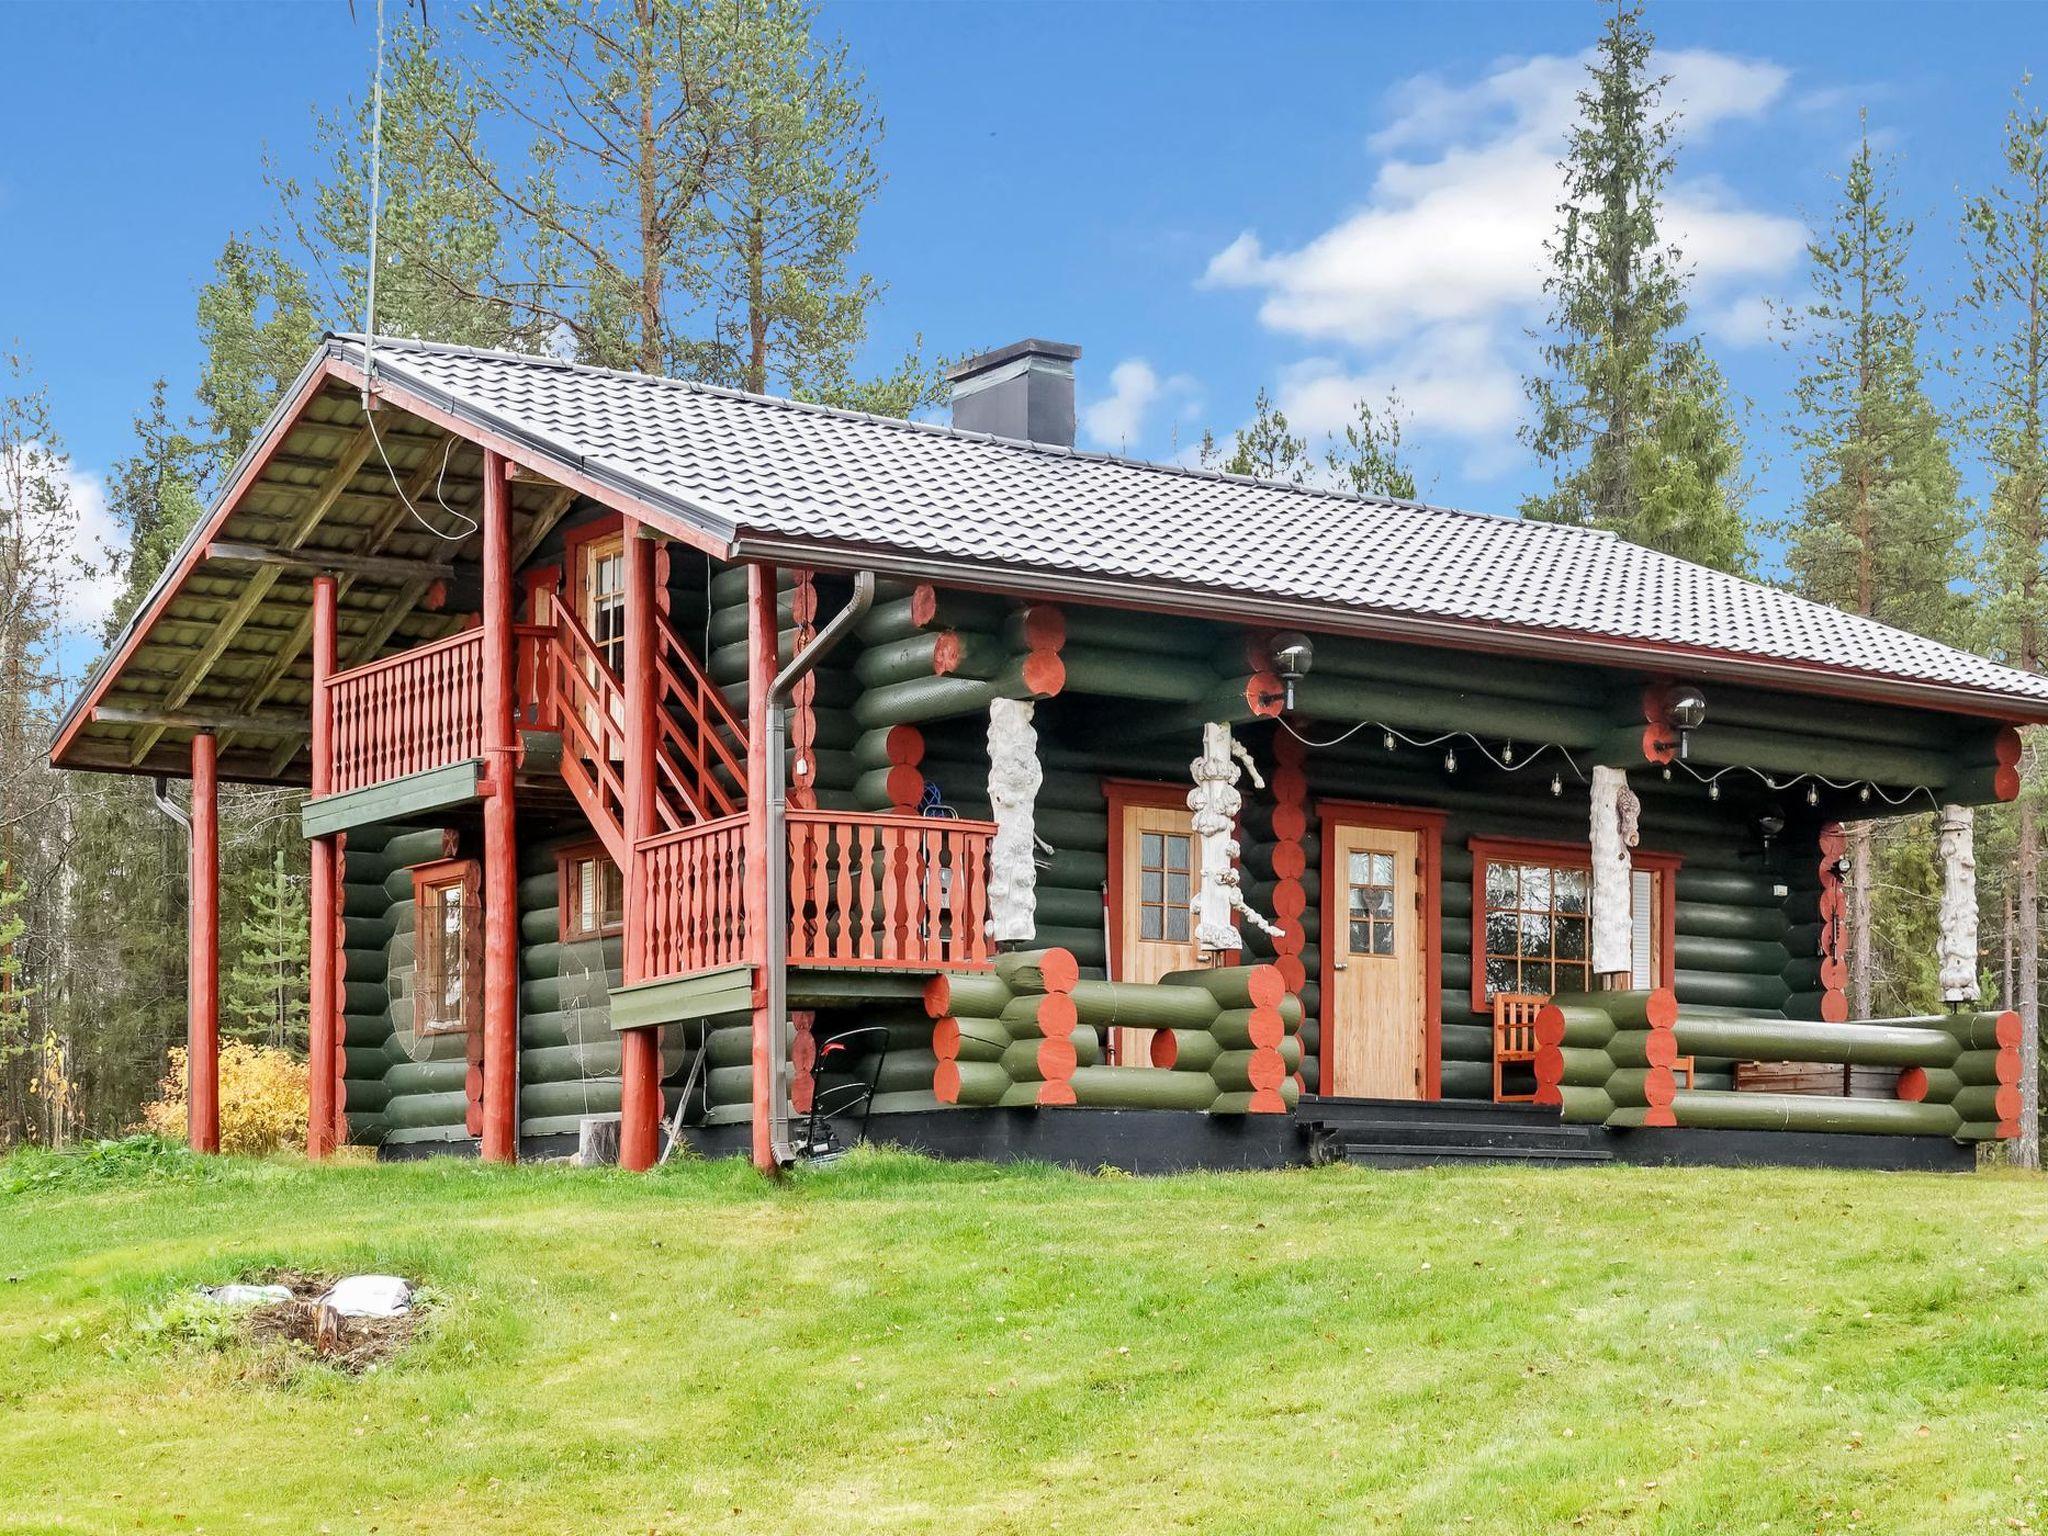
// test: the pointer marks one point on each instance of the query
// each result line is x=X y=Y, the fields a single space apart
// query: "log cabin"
x=686 y=767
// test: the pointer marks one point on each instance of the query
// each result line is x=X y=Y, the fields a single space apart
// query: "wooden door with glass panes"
x=1157 y=868
x=1375 y=1024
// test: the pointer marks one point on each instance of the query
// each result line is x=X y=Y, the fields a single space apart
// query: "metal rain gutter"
x=776 y=961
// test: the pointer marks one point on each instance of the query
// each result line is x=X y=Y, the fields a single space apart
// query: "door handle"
x=1336 y=965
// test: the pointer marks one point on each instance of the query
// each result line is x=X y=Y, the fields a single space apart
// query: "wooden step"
x=1397 y=1155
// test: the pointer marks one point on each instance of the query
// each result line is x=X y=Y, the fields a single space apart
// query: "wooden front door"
x=1155 y=926
x=1375 y=1002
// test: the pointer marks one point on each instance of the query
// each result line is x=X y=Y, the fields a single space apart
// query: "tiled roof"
x=750 y=467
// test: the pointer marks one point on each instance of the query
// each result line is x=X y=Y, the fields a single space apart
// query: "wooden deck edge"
x=416 y=794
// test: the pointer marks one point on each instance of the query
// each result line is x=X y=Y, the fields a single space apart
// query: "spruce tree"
x=154 y=495
x=2006 y=239
x=265 y=997
x=1879 y=531
x=1630 y=413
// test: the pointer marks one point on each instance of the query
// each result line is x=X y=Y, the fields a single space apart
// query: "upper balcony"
x=866 y=891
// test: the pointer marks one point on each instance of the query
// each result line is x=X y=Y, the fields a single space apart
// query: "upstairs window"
x=601 y=588
x=447 y=986
x=592 y=895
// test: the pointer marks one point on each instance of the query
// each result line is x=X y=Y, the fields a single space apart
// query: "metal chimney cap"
x=1054 y=351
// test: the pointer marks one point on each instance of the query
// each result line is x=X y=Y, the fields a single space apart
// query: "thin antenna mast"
x=376 y=160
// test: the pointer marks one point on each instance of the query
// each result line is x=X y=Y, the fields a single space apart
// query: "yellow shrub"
x=262 y=1100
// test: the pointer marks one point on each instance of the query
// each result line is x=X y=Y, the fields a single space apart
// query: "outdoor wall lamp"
x=1686 y=708
x=1292 y=653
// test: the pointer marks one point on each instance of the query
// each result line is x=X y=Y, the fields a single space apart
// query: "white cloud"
x=85 y=534
x=1118 y=420
x=1749 y=320
x=1435 y=278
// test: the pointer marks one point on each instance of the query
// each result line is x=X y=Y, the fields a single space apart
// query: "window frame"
x=427 y=879
x=568 y=913
x=1122 y=889
x=1488 y=851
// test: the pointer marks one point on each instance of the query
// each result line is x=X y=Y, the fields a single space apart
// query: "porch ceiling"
x=224 y=639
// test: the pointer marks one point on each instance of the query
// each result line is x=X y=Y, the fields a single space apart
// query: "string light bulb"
x=1507 y=754
x=1713 y=789
x=1863 y=794
x=1556 y=784
x=1388 y=738
x=1667 y=774
x=1813 y=794
x=1450 y=759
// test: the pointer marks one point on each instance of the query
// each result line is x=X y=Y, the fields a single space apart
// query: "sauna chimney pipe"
x=776 y=982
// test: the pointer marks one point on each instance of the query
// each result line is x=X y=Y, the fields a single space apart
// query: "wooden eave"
x=225 y=634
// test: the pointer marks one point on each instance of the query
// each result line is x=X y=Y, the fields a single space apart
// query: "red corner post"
x=639 y=1049
x=202 y=961
x=501 y=844
x=761 y=639
x=323 y=1013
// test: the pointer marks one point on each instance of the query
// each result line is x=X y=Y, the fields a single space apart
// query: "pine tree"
x=265 y=997
x=1631 y=414
x=2006 y=238
x=259 y=322
x=444 y=271
x=1880 y=529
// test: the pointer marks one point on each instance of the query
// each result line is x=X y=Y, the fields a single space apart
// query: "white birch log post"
x=1957 y=849
x=1215 y=801
x=1014 y=775
x=1615 y=810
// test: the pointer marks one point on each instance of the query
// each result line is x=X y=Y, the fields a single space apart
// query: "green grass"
x=899 y=1345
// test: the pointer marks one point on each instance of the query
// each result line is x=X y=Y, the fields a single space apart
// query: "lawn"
x=897 y=1345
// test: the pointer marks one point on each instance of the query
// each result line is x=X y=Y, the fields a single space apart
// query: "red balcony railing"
x=880 y=892
x=419 y=710
x=695 y=885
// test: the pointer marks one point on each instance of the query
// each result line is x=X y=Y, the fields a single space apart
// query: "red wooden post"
x=761 y=638
x=323 y=1025
x=202 y=963
x=501 y=843
x=639 y=1049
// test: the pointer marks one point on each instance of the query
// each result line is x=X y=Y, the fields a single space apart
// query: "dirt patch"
x=352 y=1344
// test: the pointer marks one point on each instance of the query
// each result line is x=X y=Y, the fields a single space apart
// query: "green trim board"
x=684 y=999
x=416 y=793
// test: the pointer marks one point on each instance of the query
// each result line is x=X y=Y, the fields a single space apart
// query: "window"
x=1532 y=929
x=601 y=588
x=1537 y=934
x=1165 y=879
x=447 y=982
x=591 y=893
x=1370 y=879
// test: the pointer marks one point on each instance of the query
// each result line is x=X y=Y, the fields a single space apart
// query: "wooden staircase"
x=1406 y=1133
x=700 y=771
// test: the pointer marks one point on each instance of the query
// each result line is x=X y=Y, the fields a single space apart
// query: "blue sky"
x=1326 y=200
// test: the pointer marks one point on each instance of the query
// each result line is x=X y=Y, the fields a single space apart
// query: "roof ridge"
x=960 y=434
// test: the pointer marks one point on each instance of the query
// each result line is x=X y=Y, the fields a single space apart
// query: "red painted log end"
x=1913 y=1085
x=1061 y=971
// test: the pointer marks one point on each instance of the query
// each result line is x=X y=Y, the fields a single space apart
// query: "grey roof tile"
x=782 y=469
